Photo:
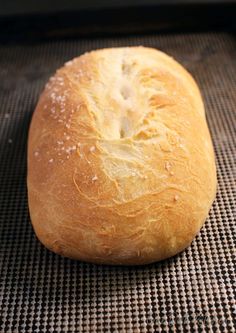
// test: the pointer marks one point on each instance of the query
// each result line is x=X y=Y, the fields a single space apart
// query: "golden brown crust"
x=120 y=161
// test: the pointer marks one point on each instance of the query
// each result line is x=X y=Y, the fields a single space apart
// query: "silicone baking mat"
x=43 y=292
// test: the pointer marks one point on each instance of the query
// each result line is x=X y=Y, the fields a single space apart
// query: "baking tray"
x=43 y=292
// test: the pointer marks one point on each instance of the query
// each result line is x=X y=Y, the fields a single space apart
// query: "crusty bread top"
x=120 y=162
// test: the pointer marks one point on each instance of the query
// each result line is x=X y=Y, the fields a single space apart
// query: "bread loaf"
x=121 y=166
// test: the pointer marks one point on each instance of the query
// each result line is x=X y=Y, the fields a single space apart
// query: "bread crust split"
x=121 y=166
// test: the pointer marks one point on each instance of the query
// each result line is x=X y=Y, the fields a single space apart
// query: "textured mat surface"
x=43 y=292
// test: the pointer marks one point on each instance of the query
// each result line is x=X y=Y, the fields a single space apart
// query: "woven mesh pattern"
x=43 y=292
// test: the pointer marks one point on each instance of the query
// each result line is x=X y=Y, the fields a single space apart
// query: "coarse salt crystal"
x=176 y=197
x=60 y=98
x=69 y=63
x=94 y=178
x=92 y=149
x=51 y=160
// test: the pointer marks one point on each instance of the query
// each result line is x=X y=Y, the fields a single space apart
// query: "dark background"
x=28 y=20
x=12 y=7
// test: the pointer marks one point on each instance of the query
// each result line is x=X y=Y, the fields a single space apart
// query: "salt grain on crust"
x=51 y=160
x=92 y=149
x=94 y=178
x=60 y=98
x=69 y=63
x=70 y=149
